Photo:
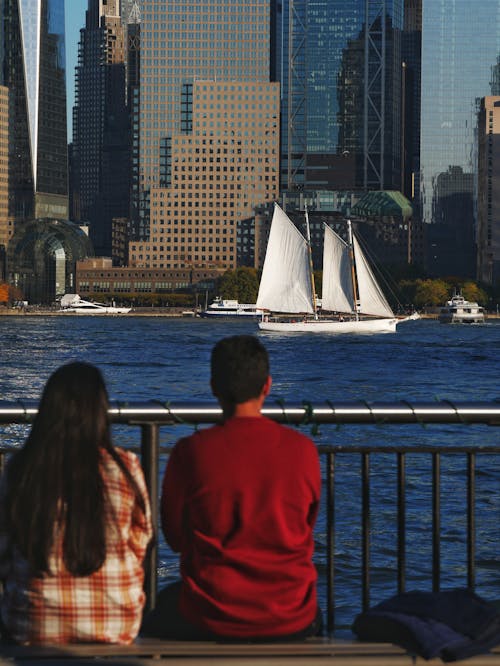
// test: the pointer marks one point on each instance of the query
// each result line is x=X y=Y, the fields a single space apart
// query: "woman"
x=75 y=522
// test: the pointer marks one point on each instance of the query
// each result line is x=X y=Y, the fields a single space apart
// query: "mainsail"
x=371 y=298
x=338 y=295
x=285 y=285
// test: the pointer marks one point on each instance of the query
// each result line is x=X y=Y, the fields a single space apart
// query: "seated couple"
x=239 y=504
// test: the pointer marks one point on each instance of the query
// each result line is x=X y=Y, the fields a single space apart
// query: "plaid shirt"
x=103 y=607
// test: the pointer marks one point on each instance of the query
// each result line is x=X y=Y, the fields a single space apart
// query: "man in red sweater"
x=239 y=504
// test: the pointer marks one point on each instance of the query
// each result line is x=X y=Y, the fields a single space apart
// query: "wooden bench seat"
x=147 y=651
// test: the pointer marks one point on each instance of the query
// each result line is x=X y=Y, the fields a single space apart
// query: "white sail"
x=337 y=293
x=285 y=285
x=371 y=298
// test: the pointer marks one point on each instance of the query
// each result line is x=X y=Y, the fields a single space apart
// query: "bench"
x=145 y=652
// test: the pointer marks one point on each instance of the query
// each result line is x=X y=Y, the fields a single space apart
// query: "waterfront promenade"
x=313 y=652
x=344 y=650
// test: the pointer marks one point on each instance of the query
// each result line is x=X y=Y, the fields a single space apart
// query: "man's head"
x=240 y=369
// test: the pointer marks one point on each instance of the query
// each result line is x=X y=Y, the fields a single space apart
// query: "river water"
x=167 y=359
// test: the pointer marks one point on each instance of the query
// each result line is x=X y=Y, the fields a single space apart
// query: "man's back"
x=239 y=503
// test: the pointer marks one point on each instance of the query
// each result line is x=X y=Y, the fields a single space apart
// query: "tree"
x=241 y=284
x=472 y=292
x=431 y=292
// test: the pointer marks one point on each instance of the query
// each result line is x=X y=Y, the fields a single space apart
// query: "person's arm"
x=5 y=542
x=173 y=500
x=315 y=472
x=141 y=528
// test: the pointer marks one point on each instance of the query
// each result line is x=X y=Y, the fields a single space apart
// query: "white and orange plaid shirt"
x=105 y=606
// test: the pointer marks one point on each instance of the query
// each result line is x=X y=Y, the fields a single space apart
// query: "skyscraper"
x=339 y=63
x=488 y=208
x=101 y=124
x=32 y=69
x=209 y=128
x=460 y=48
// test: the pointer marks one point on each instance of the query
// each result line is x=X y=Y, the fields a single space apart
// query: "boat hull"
x=209 y=315
x=331 y=326
x=454 y=318
x=93 y=312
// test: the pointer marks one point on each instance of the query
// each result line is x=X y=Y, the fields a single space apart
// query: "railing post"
x=401 y=522
x=150 y=449
x=330 y=547
x=436 y=522
x=471 y=520
x=365 y=519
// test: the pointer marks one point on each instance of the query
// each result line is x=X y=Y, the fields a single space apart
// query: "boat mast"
x=313 y=288
x=353 y=271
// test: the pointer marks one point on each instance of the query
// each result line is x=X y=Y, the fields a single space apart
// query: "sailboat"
x=350 y=289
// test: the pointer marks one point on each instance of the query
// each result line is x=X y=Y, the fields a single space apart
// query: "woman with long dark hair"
x=75 y=522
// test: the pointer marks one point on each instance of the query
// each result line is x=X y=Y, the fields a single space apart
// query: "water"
x=166 y=359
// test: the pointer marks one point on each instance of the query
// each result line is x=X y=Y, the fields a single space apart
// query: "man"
x=239 y=504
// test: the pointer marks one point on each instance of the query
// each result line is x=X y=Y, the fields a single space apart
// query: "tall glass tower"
x=339 y=63
x=460 y=48
x=32 y=67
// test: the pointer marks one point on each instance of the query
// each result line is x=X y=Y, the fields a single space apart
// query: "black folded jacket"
x=452 y=624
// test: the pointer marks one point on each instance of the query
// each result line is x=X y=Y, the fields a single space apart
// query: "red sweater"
x=239 y=503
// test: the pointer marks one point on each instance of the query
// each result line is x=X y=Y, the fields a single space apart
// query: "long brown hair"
x=55 y=478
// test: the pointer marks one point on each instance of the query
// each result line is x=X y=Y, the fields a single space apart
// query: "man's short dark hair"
x=240 y=367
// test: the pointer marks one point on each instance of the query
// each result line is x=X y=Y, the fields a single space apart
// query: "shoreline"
x=177 y=313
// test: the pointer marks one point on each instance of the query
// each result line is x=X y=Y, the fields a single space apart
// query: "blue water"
x=145 y=358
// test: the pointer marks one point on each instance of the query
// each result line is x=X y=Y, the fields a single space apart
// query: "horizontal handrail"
x=151 y=416
x=164 y=411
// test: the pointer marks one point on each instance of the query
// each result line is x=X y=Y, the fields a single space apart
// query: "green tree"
x=241 y=284
x=472 y=292
x=431 y=292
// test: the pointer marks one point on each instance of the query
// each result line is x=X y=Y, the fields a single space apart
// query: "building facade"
x=101 y=134
x=95 y=276
x=5 y=226
x=32 y=68
x=339 y=64
x=460 y=48
x=209 y=129
x=488 y=199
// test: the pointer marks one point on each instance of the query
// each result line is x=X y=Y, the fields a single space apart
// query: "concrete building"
x=214 y=176
x=97 y=275
x=209 y=129
x=488 y=199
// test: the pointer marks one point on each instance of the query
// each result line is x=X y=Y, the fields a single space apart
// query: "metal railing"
x=152 y=416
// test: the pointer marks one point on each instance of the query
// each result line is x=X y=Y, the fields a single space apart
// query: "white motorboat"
x=350 y=289
x=459 y=311
x=230 y=308
x=73 y=304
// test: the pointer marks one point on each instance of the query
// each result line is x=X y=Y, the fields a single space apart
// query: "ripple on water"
x=163 y=359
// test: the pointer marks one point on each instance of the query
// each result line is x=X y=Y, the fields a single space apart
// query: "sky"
x=74 y=11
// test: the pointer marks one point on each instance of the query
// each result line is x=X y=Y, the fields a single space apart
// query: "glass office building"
x=460 y=48
x=32 y=55
x=339 y=62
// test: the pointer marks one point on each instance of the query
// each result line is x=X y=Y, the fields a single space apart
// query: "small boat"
x=73 y=304
x=220 y=307
x=459 y=311
x=350 y=290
